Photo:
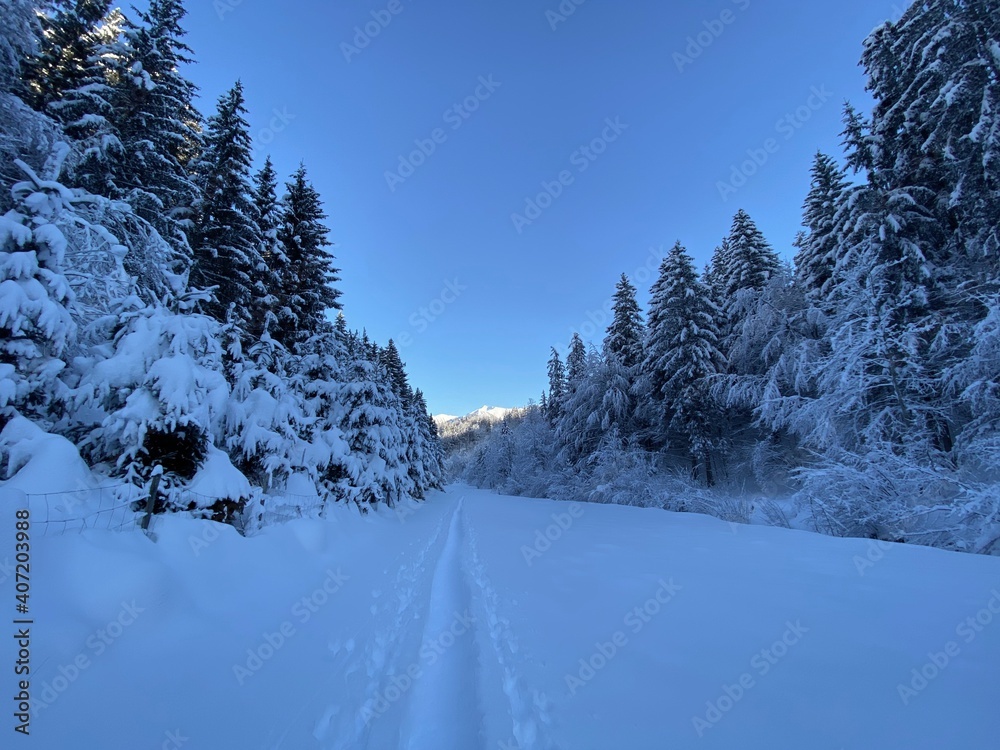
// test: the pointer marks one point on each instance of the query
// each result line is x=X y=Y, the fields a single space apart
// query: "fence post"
x=154 y=485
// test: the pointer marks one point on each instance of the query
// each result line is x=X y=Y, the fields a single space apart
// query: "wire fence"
x=121 y=508
x=105 y=508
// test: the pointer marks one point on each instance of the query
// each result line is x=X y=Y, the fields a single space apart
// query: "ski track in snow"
x=529 y=710
x=400 y=611
x=467 y=650
x=442 y=709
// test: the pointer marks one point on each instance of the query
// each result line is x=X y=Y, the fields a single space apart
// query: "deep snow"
x=479 y=621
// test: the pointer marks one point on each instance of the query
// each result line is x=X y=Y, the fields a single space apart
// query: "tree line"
x=864 y=378
x=162 y=302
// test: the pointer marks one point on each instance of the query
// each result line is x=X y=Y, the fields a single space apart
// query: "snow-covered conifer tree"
x=36 y=300
x=225 y=241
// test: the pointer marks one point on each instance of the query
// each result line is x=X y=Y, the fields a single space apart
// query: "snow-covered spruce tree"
x=96 y=260
x=225 y=240
x=625 y=334
x=619 y=472
x=36 y=301
x=617 y=409
x=682 y=358
x=24 y=133
x=622 y=356
x=432 y=452
x=649 y=384
x=415 y=451
x=741 y=268
x=576 y=362
x=557 y=387
x=492 y=463
x=975 y=382
x=306 y=273
x=532 y=454
x=935 y=135
x=578 y=432
x=389 y=359
x=916 y=270
x=816 y=257
x=19 y=39
x=746 y=259
x=86 y=111
x=163 y=395
x=712 y=278
x=780 y=336
x=264 y=416
x=69 y=39
x=890 y=310
x=267 y=216
x=875 y=417
x=156 y=123
x=936 y=123
x=371 y=469
x=316 y=378
x=411 y=419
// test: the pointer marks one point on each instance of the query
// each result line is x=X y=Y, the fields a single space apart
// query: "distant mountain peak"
x=491 y=413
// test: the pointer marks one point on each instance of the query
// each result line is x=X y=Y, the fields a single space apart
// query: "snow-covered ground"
x=479 y=621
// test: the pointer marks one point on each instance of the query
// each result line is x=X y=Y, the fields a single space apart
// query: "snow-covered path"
x=478 y=621
x=443 y=708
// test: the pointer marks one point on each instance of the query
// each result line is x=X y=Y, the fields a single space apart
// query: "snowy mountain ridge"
x=491 y=413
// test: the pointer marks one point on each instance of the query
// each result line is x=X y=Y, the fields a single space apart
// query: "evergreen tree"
x=157 y=124
x=36 y=301
x=432 y=452
x=557 y=386
x=264 y=416
x=741 y=269
x=70 y=37
x=652 y=379
x=617 y=410
x=816 y=257
x=393 y=363
x=712 y=278
x=579 y=431
x=373 y=469
x=24 y=133
x=86 y=111
x=163 y=392
x=267 y=216
x=624 y=336
x=19 y=40
x=748 y=261
x=623 y=353
x=307 y=274
x=683 y=357
x=226 y=242
x=576 y=362
x=936 y=124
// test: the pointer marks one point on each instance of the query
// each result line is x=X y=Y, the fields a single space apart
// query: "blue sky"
x=633 y=115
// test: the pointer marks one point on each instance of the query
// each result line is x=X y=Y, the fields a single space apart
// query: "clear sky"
x=630 y=113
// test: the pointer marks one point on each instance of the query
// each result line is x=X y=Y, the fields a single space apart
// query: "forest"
x=167 y=307
x=862 y=381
